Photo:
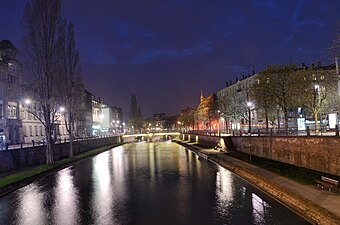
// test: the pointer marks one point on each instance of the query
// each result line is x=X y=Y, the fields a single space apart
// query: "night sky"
x=166 y=51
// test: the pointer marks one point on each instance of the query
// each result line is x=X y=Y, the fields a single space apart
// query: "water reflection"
x=66 y=203
x=141 y=184
x=260 y=209
x=224 y=190
x=102 y=195
x=30 y=208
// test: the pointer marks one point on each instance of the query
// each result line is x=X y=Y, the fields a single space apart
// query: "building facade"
x=10 y=81
x=236 y=102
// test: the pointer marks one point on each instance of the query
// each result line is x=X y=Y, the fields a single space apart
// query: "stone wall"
x=316 y=153
x=15 y=159
x=210 y=141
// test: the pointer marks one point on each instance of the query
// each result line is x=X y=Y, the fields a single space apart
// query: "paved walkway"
x=321 y=197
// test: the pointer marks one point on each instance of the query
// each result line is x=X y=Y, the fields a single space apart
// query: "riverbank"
x=316 y=205
x=22 y=178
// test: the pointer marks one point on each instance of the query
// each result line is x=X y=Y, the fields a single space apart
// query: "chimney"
x=230 y=82
x=303 y=65
x=236 y=79
x=312 y=66
x=242 y=77
x=319 y=64
x=226 y=84
x=336 y=66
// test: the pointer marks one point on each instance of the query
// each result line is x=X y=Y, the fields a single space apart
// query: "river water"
x=143 y=183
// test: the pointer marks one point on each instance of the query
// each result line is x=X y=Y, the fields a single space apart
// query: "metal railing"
x=57 y=141
x=322 y=130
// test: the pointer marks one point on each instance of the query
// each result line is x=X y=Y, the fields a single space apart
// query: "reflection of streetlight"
x=249 y=105
x=62 y=109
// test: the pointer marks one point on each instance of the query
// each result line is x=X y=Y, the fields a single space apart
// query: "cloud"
x=170 y=52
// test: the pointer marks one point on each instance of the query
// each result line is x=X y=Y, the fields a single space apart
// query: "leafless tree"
x=317 y=90
x=232 y=107
x=43 y=41
x=72 y=81
x=282 y=87
x=263 y=98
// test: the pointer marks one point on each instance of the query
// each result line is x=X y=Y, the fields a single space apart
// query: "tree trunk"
x=267 y=123
x=49 y=145
x=71 y=154
x=286 y=120
x=315 y=114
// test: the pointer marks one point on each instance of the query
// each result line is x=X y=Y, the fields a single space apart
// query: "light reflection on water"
x=65 y=208
x=102 y=200
x=30 y=209
x=259 y=209
x=144 y=183
x=224 y=190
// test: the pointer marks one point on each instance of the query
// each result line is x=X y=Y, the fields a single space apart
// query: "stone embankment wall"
x=15 y=159
x=316 y=153
x=210 y=141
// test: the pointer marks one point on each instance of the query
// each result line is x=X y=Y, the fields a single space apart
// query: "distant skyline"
x=165 y=52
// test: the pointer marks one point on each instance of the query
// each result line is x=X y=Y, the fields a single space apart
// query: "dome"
x=6 y=44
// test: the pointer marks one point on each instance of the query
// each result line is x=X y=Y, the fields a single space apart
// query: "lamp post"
x=249 y=105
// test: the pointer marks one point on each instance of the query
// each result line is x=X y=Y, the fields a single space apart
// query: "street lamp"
x=249 y=105
x=27 y=101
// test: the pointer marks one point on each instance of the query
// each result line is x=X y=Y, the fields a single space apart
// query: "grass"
x=19 y=176
x=299 y=174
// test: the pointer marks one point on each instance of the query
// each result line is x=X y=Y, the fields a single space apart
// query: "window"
x=12 y=111
x=41 y=131
x=36 y=130
x=30 y=130
x=1 y=112
x=24 y=131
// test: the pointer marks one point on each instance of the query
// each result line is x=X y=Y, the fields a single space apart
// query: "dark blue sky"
x=165 y=51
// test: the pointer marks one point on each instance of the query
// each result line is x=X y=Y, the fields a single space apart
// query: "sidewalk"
x=329 y=201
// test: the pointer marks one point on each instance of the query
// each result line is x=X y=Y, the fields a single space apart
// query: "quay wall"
x=316 y=153
x=16 y=159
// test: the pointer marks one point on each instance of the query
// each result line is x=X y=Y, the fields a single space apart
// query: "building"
x=235 y=102
x=84 y=123
x=100 y=118
x=206 y=113
x=10 y=81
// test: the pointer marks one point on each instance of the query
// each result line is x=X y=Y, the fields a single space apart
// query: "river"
x=143 y=183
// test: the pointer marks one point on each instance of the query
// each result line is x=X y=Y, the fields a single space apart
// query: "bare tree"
x=334 y=50
x=263 y=98
x=72 y=80
x=317 y=90
x=282 y=87
x=43 y=41
x=232 y=107
x=187 y=118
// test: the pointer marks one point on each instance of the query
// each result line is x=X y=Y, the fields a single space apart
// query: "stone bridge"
x=151 y=136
